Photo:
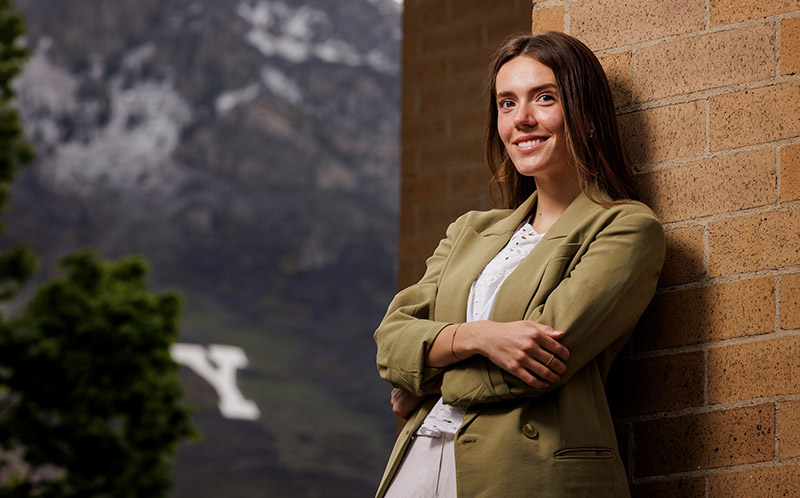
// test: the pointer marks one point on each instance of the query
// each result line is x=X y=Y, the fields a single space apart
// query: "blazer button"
x=530 y=431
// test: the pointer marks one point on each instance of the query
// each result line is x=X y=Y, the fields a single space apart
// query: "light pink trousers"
x=428 y=469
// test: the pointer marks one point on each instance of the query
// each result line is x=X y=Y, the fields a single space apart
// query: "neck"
x=551 y=201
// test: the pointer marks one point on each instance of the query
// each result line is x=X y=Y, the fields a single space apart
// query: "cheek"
x=504 y=128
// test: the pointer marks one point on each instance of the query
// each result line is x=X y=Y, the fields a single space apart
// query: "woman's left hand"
x=404 y=402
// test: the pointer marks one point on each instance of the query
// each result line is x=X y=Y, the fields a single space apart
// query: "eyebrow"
x=535 y=89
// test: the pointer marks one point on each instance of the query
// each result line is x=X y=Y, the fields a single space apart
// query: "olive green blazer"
x=592 y=276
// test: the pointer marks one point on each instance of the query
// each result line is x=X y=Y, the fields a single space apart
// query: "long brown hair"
x=590 y=119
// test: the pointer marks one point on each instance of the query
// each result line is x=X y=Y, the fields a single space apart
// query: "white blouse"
x=446 y=419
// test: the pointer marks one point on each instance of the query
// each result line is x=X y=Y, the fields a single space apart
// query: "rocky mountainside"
x=249 y=149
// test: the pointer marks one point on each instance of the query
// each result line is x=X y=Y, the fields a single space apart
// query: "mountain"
x=249 y=150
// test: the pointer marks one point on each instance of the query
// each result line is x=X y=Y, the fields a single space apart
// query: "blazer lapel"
x=475 y=250
x=516 y=293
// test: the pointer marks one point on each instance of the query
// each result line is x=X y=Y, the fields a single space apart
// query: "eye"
x=505 y=104
x=547 y=97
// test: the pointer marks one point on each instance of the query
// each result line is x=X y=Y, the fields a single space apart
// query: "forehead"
x=523 y=72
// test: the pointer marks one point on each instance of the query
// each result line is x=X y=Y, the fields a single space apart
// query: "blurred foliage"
x=93 y=400
x=90 y=404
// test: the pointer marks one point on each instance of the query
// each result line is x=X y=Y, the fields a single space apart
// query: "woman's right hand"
x=404 y=403
x=528 y=350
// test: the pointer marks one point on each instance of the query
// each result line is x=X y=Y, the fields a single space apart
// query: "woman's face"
x=530 y=119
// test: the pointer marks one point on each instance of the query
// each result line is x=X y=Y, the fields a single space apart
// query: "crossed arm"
x=595 y=306
x=525 y=349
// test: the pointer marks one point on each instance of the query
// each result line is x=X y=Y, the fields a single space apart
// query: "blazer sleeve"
x=408 y=330
x=597 y=304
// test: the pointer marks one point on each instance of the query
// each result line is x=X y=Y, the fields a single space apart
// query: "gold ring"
x=551 y=359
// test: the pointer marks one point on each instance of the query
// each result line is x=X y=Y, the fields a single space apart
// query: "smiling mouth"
x=530 y=143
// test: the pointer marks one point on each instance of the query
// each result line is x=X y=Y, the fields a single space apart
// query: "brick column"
x=446 y=50
x=707 y=395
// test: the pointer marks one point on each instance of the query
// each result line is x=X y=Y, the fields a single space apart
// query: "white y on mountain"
x=217 y=365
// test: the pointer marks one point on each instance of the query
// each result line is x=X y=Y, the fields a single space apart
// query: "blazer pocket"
x=585 y=453
x=587 y=472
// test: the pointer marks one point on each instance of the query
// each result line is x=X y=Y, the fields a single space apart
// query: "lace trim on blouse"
x=446 y=419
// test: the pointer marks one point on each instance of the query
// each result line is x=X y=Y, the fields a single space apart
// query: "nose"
x=524 y=117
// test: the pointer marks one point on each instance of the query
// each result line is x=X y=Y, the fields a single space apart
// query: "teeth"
x=531 y=143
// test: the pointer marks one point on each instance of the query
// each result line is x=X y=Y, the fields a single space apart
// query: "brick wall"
x=446 y=49
x=707 y=397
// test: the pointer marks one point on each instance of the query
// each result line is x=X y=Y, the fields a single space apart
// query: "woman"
x=499 y=354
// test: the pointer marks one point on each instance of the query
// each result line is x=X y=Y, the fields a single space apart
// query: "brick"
x=703 y=62
x=446 y=97
x=790 y=173
x=446 y=154
x=772 y=482
x=651 y=385
x=618 y=71
x=423 y=72
x=605 y=24
x=755 y=116
x=451 y=38
x=684 y=261
x=427 y=15
x=691 y=487
x=790 y=45
x=551 y=19
x=409 y=47
x=731 y=11
x=789 y=426
x=436 y=216
x=506 y=23
x=409 y=273
x=423 y=188
x=417 y=247
x=790 y=301
x=712 y=313
x=470 y=180
x=712 y=186
x=472 y=64
x=408 y=161
x=468 y=122
x=408 y=220
x=705 y=440
x=752 y=243
x=754 y=369
x=409 y=103
x=664 y=133
x=477 y=9
x=421 y=129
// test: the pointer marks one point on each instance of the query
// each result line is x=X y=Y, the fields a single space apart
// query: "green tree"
x=90 y=404
x=94 y=399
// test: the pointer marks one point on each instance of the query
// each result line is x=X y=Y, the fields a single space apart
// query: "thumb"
x=555 y=334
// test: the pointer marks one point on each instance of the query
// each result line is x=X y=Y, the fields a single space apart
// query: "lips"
x=529 y=142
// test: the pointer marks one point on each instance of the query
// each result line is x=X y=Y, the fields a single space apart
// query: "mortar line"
x=777 y=430
x=708 y=92
x=700 y=32
x=785 y=462
x=778 y=53
x=711 y=408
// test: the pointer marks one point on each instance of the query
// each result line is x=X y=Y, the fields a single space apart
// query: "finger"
x=552 y=362
x=518 y=368
x=551 y=346
x=550 y=331
x=538 y=368
x=527 y=377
